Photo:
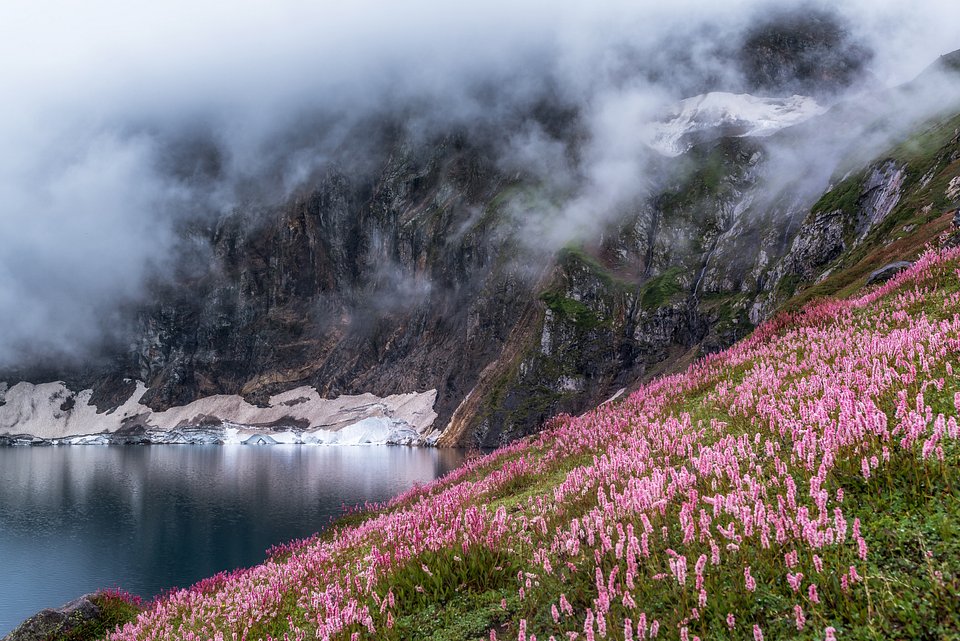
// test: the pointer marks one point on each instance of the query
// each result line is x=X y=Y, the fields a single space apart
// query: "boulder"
x=50 y=624
x=887 y=272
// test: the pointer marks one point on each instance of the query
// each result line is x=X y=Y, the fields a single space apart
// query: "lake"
x=74 y=519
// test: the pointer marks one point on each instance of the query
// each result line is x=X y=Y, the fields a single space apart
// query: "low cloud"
x=122 y=122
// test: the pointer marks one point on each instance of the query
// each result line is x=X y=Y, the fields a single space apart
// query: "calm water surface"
x=77 y=519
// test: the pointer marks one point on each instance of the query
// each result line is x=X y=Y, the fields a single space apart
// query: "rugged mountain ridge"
x=416 y=275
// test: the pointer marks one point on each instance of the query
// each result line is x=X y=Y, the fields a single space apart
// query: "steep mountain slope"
x=802 y=484
x=713 y=255
x=416 y=273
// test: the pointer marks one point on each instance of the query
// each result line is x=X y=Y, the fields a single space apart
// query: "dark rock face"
x=415 y=273
x=950 y=61
x=416 y=278
x=887 y=272
x=48 y=625
x=401 y=281
x=666 y=283
x=806 y=51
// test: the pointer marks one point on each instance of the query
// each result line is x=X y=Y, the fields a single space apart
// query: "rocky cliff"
x=417 y=273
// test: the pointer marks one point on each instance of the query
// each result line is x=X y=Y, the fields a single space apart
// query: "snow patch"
x=620 y=392
x=90 y=439
x=297 y=416
x=717 y=114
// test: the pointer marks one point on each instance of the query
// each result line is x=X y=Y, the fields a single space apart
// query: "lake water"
x=77 y=519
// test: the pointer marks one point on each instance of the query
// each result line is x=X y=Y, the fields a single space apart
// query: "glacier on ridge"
x=718 y=113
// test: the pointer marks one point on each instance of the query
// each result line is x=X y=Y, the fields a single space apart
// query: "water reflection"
x=75 y=519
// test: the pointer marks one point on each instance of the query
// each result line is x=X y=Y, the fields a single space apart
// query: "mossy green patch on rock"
x=573 y=257
x=658 y=291
x=843 y=197
x=88 y=618
x=581 y=315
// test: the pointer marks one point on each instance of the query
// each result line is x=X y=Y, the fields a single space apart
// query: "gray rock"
x=956 y=218
x=52 y=623
x=17 y=440
x=881 y=193
x=260 y=439
x=887 y=272
x=419 y=273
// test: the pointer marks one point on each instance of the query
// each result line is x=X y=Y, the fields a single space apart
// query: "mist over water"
x=146 y=519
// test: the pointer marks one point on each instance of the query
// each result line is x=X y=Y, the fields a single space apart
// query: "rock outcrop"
x=887 y=272
x=52 y=624
x=418 y=273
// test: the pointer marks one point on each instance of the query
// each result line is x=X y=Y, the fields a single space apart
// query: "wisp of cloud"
x=122 y=122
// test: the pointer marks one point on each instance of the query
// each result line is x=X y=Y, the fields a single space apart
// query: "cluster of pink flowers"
x=731 y=466
x=121 y=595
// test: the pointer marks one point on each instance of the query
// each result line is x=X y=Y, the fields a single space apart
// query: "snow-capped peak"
x=716 y=114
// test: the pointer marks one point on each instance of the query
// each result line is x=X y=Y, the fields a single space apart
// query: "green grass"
x=927 y=159
x=114 y=612
x=921 y=152
x=573 y=257
x=658 y=291
x=910 y=509
x=843 y=197
x=579 y=314
x=466 y=617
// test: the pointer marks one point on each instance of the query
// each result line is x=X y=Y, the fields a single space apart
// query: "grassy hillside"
x=803 y=484
x=930 y=160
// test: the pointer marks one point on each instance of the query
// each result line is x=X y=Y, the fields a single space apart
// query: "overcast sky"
x=93 y=90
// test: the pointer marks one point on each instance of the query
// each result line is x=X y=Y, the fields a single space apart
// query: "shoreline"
x=227 y=437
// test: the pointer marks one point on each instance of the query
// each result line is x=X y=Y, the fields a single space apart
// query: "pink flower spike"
x=751 y=583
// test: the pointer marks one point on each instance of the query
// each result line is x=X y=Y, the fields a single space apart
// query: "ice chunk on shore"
x=52 y=412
